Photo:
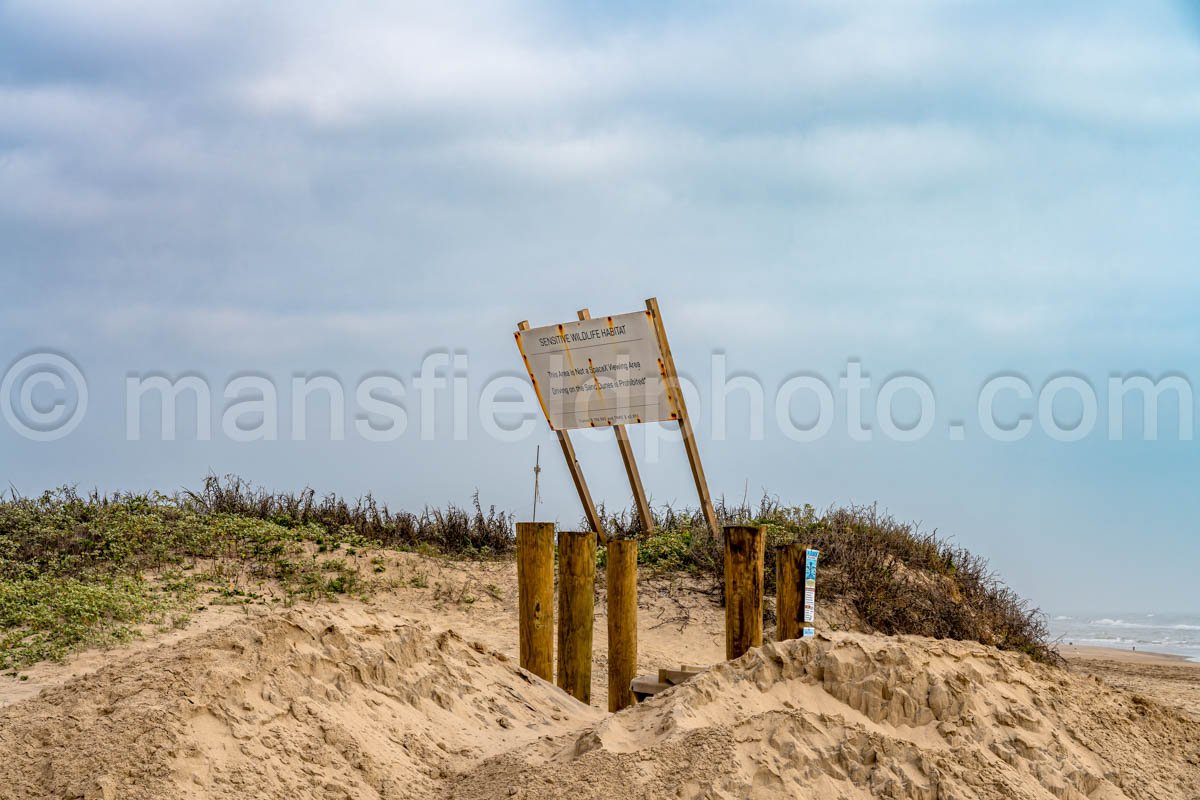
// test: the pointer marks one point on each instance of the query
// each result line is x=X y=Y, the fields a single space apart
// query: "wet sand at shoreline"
x=1168 y=678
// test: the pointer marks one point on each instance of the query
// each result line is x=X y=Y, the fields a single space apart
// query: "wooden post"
x=535 y=589
x=576 y=585
x=675 y=390
x=744 y=550
x=635 y=479
x=621 y=578
x=631 y=468
x=789 y=591
x=581 y=487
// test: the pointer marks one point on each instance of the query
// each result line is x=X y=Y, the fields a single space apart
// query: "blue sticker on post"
x=808 y=632
x=810 y=565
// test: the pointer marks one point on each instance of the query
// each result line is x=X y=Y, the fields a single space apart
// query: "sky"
x=946 y=191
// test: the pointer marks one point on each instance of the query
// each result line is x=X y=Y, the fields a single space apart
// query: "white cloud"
x=1113 y=75
x=37 y=187
x=263 y=333
x=388 y=61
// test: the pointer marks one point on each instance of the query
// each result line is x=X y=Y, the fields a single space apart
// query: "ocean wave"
x=1120 y=623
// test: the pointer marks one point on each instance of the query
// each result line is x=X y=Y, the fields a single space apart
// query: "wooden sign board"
x=610 y=372
x=599 y=372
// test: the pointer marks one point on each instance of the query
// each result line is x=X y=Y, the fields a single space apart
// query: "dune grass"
x=898 y=578
x=85 y=570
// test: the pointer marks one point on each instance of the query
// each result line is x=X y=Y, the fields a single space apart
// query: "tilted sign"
x=610 y=372
x=599 y=372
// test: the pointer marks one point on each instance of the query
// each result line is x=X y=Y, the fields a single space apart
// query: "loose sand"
x=415 y=694
x=1169 y=679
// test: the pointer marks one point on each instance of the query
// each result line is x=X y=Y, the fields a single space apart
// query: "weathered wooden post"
x=576 y=603
x=789 y=591
x=621 y=578
x=535 y=589
x=744 y=550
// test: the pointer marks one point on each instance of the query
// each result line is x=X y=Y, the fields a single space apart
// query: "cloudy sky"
x=952 y=191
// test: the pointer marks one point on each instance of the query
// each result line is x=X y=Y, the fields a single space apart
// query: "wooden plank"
x=631 y=468
x=685 y=425
x=676 y=676
x=644 y=686
x=581 y=487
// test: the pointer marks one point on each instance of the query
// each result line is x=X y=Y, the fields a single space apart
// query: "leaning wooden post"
x=535 y=587
x=621 y=578
x=675 y=392
x=744 y=550
x=576 y=586
x=789 y=591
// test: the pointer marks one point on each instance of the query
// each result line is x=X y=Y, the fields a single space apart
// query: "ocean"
x=1157 y=633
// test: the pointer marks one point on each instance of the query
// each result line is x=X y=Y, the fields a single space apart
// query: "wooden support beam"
x=677 y=676
x=631 y=468
x=535 y=590
x=635 y=479
x=685 y=425
x=646 y=686
x=789 y=591
x=576 y=603
x=581 y=487
x=744 y=551
x=620 y=574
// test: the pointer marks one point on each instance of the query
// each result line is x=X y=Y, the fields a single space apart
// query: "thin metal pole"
x=537 y=472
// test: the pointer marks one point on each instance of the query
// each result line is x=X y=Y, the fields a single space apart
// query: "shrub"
x=73 y=568
x=898 y=578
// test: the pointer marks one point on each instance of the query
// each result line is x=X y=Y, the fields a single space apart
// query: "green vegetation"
x=897 y=578
x=88 y=570
x=42 y=618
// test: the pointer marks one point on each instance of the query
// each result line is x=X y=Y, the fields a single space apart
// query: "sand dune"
x=292 y=705
x=857 y=716
x=411 y=695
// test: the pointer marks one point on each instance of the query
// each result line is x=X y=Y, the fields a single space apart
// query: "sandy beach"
x=416 y=693
x=1169 y=679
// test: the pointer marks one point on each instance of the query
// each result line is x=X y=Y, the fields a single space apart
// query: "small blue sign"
x=810 y=564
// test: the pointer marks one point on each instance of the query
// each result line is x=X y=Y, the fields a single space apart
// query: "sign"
x=599 y=372
x=610 y=372
x=810 y=589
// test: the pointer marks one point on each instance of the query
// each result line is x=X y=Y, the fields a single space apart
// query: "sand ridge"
x=415 y=693
x=296 y=704
x=854 y=716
